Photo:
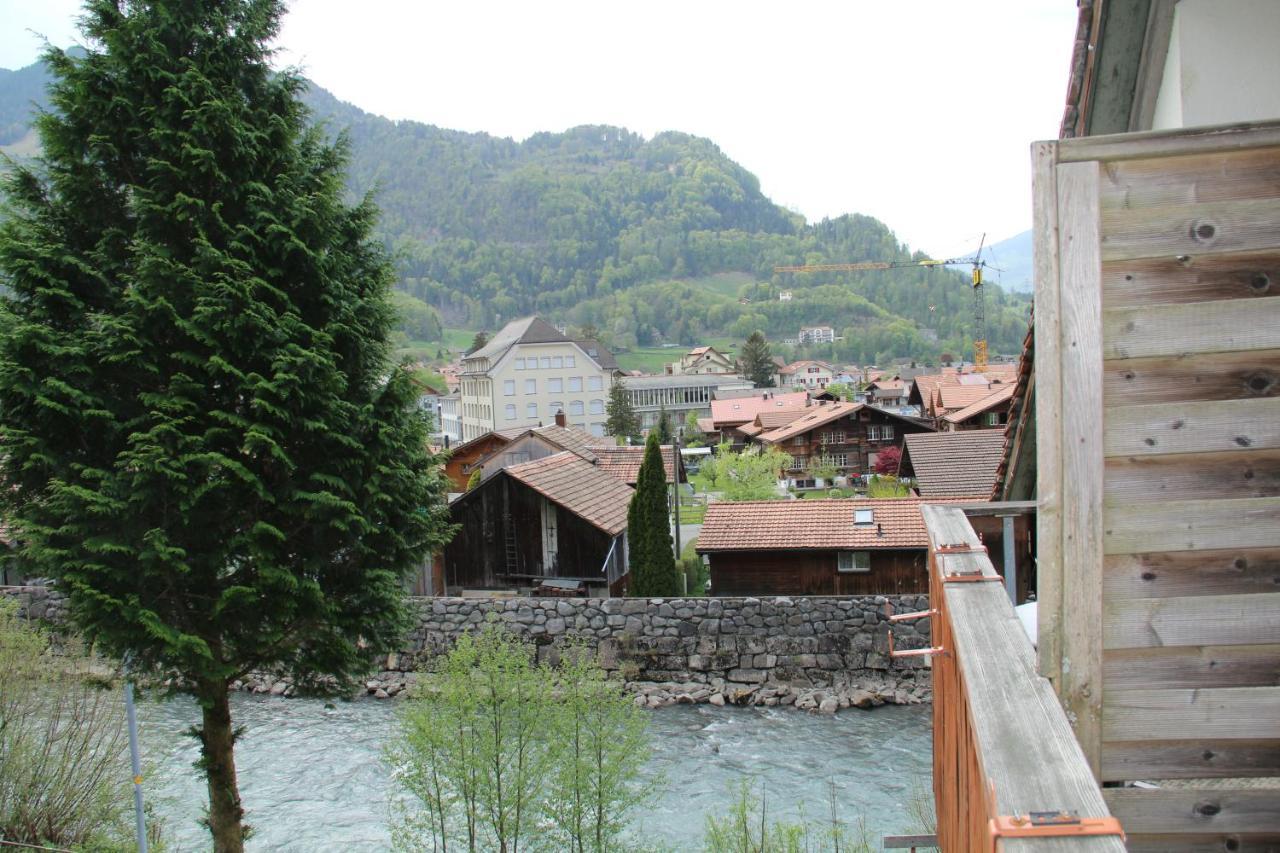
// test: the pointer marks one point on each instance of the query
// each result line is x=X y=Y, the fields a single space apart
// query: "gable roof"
x=954 y=464
x=774 y=418
x=572 y=482
x=737 y=410
x=596 y=351
x=955 y=397
x=1001 y=394
x=813 y=525
x=569 y=438
x=623 y=463
x=527 y=330
x=817 y=416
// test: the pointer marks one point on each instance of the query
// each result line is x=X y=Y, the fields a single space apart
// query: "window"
x=863 y=516
x=886 y=433
x=597 y=429
x=853 y=561
x=876 y=432
x=511 y=412
x=575 y=384
x=531 y=410
x=597 y=407
x=833 y=438
x=799 y=439
x=556 y=407
x=568 y=361
x=555 y=386
x=508 y=387
x=575 y=407
x=594 y=383
x=519 y=364
x=995 y=418
x=531 y=386
x=557 y=362
x=546 y=362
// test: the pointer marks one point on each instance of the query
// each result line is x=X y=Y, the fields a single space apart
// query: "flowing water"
x=312 y=776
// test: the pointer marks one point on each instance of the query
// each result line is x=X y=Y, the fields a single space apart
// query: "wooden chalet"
x=730 y=414
x=623 y=463
x=847 y=436
x=824 y=547
x=502 y=448
x=986 y=412
x=953 y=464
x=559 y=517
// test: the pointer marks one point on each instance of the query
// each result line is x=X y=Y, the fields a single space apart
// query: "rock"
x=828 y=706
x=716 y=699
x=279 y=688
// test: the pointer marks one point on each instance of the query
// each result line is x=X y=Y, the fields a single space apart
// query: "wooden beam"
x=1200 y=620
x=1169 y=811
x=1164 y=428
x=1222 y=226
x=1191 y=179
x=1185 y=378
x=1190 y=278
x=1018 y=725
x=1080 y=353
x=1231 y=571
x=1203 y=843
x=1191 y=667
x=1048 y=401
x=1164 y=143
x=1229 y=474
x=1193 y=526
x=1244 y=713
x=1190 y=759
x=1192 y=328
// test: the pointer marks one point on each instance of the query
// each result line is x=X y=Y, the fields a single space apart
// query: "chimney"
x=561 y=420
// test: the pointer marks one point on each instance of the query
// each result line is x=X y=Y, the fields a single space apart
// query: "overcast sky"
x=917 y=112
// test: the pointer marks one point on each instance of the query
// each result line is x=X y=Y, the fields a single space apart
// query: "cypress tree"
x=663 y=427
x=206 y=442
x=652 y=562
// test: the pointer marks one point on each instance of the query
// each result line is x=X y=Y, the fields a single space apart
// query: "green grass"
x=458 y=339
x=655 y=359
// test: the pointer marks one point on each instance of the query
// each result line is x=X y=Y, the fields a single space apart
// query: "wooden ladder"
x=513 y=555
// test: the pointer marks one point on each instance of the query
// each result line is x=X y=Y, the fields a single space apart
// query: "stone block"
x=748 y=676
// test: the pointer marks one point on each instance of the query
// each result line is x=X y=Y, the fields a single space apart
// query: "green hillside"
x=654 y=241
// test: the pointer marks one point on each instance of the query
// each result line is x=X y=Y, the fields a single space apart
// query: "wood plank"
x=1190 y=278
x=1183 y=759
x=1191 y=667
x=1164 y=428
x=1203 y=843
x=1191 y=328
x=1231 y=571
x=1185 y=377
x=1019 y=726
x=1199 y=229
x=1170 y=143
x=1048 y=403
x=1195 y=810
x=1082 y=452
x=1192 y=621
x=1242 y=474
x=1229 y=713
x=1193 y=526
x=1190 y=179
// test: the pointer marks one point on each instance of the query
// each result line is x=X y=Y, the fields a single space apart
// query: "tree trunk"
x=218 y=742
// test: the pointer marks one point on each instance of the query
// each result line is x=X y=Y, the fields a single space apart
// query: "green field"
x=654 y=359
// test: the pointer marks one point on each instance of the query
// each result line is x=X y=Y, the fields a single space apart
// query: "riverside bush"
x=499 y=753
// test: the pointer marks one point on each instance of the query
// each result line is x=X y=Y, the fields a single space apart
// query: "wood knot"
x=1149 y=442
x=1207 y=808
x=1202 y=231
x=1244 y=440
x=1260 y=283
x=1148 y=576
x=1261 y=382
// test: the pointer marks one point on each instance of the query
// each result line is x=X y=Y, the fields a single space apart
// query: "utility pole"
x=132 y=717
x=675 y=492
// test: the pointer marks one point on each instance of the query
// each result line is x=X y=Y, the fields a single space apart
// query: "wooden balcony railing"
x=1003 y=750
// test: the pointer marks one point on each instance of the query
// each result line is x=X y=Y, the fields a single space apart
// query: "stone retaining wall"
x=821 y=653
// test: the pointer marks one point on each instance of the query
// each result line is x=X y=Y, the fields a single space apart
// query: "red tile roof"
x=775 y=418
x=623 y=463
x=1000 y=394
x=809 y=525
x=580 y=487
x=740 y=410
x=954 y=464
x=956 y=397
x=817 y=416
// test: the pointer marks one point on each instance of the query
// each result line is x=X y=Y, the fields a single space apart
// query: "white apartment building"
x=817 y=334
x=530 y=371
x=451 y=419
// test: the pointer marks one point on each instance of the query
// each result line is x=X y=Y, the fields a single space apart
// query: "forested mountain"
x=599 y=225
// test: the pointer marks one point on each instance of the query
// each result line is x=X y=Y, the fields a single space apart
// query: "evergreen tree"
x=478 y=342
x=652 y=560
x=756 y=361
x=693 y=435
x=205 y=440
x=663 y=428
x=623 y=421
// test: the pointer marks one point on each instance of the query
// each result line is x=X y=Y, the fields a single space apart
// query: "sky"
x=917 y=112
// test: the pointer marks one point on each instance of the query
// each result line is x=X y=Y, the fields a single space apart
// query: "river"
x=312 y=777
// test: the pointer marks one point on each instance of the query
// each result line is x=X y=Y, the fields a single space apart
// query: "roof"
x=686 y=380
x=954 y=397
x=596 y=352
x=1001 y=394
x=706 y=425
x=818 y=415
x=527 y=330
x=954 y=464
x=894 y=384
x=806 y=362
x=569 y=438
x=742 y=409
x=813 y=525
x=623 y=463
x=581 y=488
x=1020 y=440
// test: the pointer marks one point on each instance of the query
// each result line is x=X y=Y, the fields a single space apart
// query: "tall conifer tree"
x=205 y=441
x=756 y=361
x=622 y=420
x=652 y=561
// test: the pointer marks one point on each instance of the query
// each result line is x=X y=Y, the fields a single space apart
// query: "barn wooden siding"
x=796 y=572
x=1158 y=408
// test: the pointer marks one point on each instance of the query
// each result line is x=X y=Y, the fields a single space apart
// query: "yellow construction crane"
x=979 y=302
